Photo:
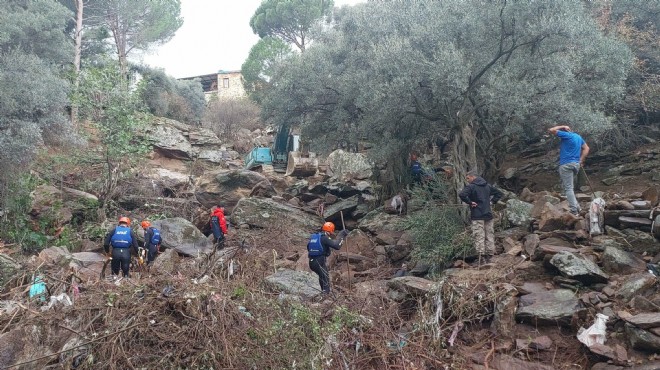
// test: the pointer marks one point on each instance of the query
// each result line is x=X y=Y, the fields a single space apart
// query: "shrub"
x=227 y=116
x=437 y=229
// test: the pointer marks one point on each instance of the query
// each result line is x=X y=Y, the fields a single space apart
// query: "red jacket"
x=221 y=219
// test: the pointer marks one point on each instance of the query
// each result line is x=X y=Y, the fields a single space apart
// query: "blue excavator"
x=285 y=156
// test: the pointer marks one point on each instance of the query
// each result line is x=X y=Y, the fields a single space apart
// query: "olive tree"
x=474 y=72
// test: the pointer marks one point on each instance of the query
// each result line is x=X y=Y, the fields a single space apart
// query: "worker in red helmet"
x=319 y=247
x=121 y=238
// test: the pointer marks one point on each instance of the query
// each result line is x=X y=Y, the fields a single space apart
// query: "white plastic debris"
x=60 y=299
x=596 y=218
x=595 y=334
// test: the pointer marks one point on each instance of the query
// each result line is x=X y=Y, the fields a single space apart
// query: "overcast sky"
x=215 y=35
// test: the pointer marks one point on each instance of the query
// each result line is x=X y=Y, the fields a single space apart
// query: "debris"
x=595 y=334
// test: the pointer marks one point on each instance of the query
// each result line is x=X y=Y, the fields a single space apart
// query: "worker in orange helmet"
x=319 y=247
x=152 y=240
x=121 y=238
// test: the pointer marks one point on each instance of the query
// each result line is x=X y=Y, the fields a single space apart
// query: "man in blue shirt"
x=572 y=152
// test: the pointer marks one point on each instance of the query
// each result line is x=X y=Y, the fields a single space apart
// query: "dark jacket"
x=108 y=236
x=329 y=244
x=480 y=192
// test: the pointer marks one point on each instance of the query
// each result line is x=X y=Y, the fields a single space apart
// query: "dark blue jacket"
x=480 y=192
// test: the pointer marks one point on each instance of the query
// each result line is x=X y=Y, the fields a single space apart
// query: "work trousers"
x=567 y=174
x=317 y=264
x=121 y=259
x=484 y=236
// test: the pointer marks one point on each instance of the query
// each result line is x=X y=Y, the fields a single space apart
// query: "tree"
x=474 y=72
x=258 y=68
x=119 y=118
x=33 y=95
x=168 y=97
x=289 y=20
x=137 y=24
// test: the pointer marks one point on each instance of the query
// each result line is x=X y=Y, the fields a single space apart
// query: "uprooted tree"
x=472 y=72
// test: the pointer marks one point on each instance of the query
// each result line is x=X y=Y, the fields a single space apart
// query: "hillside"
x=255 y=303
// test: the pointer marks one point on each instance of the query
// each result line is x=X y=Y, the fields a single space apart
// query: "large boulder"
x=578 y=268
x=300 y=283
x=265 y=213
x=183 y=236
x=642 y=340
x=377 y=221
x=333 y=211
x=635 y=285
x=170 y=142
x=554 y=307
x=349 y=166
x=411 y=286
x=226 y=187
x=88 y=265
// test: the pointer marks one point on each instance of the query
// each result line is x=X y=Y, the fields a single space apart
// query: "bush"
x=225 y=117
x=438 y=232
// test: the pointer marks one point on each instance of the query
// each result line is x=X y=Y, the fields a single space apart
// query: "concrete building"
x=224 y=85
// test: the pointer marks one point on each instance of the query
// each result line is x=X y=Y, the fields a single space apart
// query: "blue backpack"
x=314 y=246
x=121 y=237
x=155 y=237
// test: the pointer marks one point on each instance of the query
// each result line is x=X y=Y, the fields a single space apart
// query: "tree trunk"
x=463 y=157
x=76 y=56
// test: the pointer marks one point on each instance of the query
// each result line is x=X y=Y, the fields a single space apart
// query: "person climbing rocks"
x=573 y=151
x=121 y=238
x=478 y=194
x=218 y=225
x=319 y=247
x=152 y=240
x=416 y=170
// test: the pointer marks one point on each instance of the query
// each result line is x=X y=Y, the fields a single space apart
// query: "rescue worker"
x=218 y=225
x=152 y=240
x=319 y=248
x=121 y=238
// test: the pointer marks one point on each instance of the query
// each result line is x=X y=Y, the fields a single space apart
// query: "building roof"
x=209 y=82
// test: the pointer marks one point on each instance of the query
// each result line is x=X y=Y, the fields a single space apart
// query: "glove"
x=343 y=234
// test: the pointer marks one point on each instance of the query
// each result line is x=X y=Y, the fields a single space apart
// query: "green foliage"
x=475 y=71
x=168 y=97
x=135 y=24
x=33 y=96
x=239 y=292
x=259 y=67
x=16 y=225
x=35 y=27
x=437 y=229
x=289 y=20
x=116 y=112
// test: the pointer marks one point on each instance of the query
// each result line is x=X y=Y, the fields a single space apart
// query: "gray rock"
x=540 y=202
x=642 y=340
x=531 y=242
x=349 y=166
x=411 y=286
x=183 y=236
x=578 y=268
x=554 y=307
x=636 y=285
x=301 y=283
x=619 y=261
x=265 y=213
x=645 y=320
x=518 y=213
x=170 y=142
x=226 y=187
x=397 y=252
x=641 y=204
x=332 y=212
x=377 y=220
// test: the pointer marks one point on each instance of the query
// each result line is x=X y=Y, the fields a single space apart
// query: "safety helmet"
x=125 y=220
x=145 y=224
x=328 y=227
